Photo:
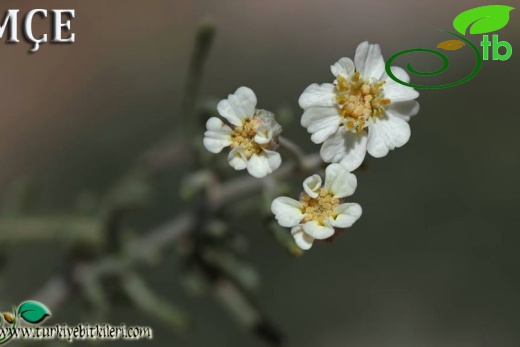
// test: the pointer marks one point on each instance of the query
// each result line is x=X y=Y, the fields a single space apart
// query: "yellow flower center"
x=359 y=100
x=244 y=136
x=319 y=209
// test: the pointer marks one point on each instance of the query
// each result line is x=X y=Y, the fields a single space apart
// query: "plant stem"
x=203 y=40
x=293 y=149
x=153 y=243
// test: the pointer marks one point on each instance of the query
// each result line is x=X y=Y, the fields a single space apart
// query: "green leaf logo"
x=33 y=312
x=482 y=20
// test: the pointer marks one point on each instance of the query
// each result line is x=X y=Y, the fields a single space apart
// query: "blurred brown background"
x=432 y=262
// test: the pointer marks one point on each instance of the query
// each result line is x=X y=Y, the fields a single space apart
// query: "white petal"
x=318 y=231
x=344 y=67
x=347 y=214
x=397 y=92
x=404 y=110
x=225 y=109
x=217 y=136
x=303 y=240
x=339 y=181
x=318 y=95
x=264 y=134
x=385 y=134
x=315 y=113
x=335 y=148
x=216 y=124
x=311 y=185
x=346 y=147
x=399 y=72
x=369 y=61
x=287 y=211
x=321 y=122
x=237 y=159
x=247 y=99
x=260 y=165
x=239 y=106
x=273 y=158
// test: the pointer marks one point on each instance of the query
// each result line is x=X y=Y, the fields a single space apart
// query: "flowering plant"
x=363 y=110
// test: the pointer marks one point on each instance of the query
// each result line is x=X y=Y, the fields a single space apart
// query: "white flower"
x=252 y=136
x=364 y=110
x=320 y=208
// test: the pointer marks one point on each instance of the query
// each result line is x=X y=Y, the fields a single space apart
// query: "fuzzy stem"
x=204 y=39
x=292 y=149
x=159 y=240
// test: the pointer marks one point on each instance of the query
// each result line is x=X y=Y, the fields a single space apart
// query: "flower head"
x=320 y=208
x=252 y=135
x=363 y=110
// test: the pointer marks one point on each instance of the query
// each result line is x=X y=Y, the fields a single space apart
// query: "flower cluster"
x=252 y=136
x=363 y=110
x=320 y=208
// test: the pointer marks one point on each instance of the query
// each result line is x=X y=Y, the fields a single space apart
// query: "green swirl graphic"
x=445 y=64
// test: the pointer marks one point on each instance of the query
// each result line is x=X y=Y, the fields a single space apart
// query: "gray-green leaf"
x=482 y=20
x=33 y=312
